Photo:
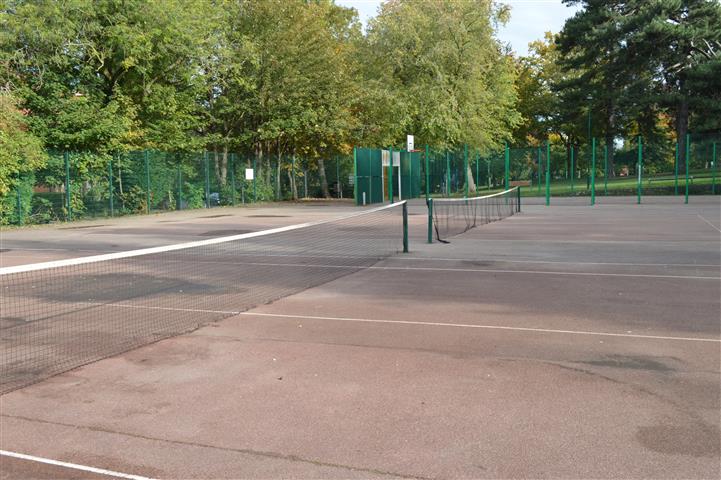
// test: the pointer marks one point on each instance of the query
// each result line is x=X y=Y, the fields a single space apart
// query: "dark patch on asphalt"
x=268 y=216
x=3 y=250
x=628 y=362
x=217 y=216
x=694 y=440
x=82 y=227
x=8 y=322
x=223 y=233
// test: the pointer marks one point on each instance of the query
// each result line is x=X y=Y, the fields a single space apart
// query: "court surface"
x=564 y=342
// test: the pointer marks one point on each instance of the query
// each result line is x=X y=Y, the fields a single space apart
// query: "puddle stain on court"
x=629 y=362
x=696 y=440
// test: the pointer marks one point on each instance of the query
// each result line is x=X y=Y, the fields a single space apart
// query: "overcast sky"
x=529 y=19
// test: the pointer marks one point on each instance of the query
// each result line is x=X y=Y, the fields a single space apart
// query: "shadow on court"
x=560 y=342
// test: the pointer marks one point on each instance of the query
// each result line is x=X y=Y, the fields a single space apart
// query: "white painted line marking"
x=712 y=225
x=553 y=262
x=487 y=327
x=74 y=466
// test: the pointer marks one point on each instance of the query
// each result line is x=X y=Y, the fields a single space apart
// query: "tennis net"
x=453 y=216
x=56 y=316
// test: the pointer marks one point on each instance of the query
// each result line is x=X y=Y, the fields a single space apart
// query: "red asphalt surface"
x=565 y=342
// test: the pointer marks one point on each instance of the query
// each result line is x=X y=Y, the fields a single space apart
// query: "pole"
x=518 y=199
x=478 y=177
x=640 y=169
x=405 y=227
x=147 y=181
x=488 y=173
x=110 y=186
x=68 y=205
x=390 y=175
x=605 y=169
x=507 y=157
x=430 y=220
x=179 y=202
x=206 y=161
x=713 y=170
x=593 y=171
x=573 y=168
x=675 y=174
x=428 y=175
x=254 y=176
x=337 y=178
x=355 y=174
x=448 y=175
x=538 y=175
x=232 y=179
x=688 y=154
x=548 y=173
x=18 y=205
x=465 y=167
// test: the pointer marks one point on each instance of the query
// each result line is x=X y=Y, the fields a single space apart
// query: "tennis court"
x=562 y=341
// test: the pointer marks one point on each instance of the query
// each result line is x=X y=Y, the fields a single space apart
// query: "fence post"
x=465 y=167
x=206 y=163
x=448 y=175
x=18 y=205
x=430 y=220
x=507 y=157
x=593 y=171
x=518 y=200
x=675 y=172
x=713 y=170
x=478 y=177
x=640 y=169
x=488 y=173
x=337 y=177
x=548 y=173
x=147 y=181
x=538 y=175
x=688 y=154
x=390 y=174
x=179 y=202
x=605 y=169
x=255 y=198
x=68 y=205
x=428 y=175
x=110 y=186
x=355 y=174
x=232 y=179
x=573 y=168
x=405 y=227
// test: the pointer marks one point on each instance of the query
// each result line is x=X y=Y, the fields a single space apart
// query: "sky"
x=529 y=19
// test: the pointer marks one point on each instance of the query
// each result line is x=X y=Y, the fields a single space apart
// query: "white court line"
x=487 y=327
x=553 y=262
x=712 y=225
x=465 y=270
x=74 y=466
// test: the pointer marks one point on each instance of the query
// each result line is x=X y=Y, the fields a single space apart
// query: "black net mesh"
x=61 y=315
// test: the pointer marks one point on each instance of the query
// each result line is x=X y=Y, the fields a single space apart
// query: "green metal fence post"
x=478 y=177
x=179 y=203
x=675 y=174
x=337 y=178
x=507 y=157
x=465 y=168
x=147 y=181
x=355 y=174
x=639 y=167
x=548 y=173
x=605 y=169
x=713 y=170
x=206 y=161
x=405 y=227
x=593 y=171
x=390 y=175
x=488 y=173
x=427 y=162
x=448 y=174
x=573 y=167
x=68 y=204
x=430 y=220
x=277 y=179
x=255 y=198
x=688 y=161
x=540 y=169
x=233 y=190
x=110 y=186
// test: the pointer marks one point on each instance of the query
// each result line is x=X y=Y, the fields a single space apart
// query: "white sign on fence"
x=249 y=174
x=385 y=158
x=396 y=159
x=409 y=143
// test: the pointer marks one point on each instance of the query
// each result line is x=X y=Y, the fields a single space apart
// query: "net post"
x=147 y=180
x=675 y=171
x=465 y=167
x=110 y=185
x=548 y=173
x=68 y=205
x=573 y=167
x=688 y=154
x=518 y=200
x=507 y=158
x=390 y=174
x=430 y=220
x=593 y=171
x=640 y=170
x=605 y=169
x=713 y=170
x=405 y=227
